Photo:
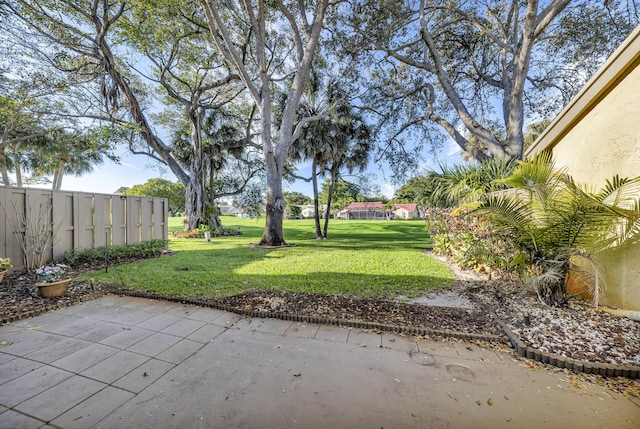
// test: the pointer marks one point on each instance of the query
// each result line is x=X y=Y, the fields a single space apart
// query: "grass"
x=363 y=258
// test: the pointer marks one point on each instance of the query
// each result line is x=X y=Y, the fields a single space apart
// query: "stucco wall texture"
x=607 y=140
x=602 y=143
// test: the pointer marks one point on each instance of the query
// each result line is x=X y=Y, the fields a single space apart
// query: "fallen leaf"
x=126 y=328
x=478 y=402
x=490 y=402
x=363 y=345
x=297 y=374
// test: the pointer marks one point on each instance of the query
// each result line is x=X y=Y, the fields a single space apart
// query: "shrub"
x=199 y=233
x=470 y=241
x=143 y=250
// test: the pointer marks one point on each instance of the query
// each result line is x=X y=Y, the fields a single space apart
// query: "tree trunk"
x=3 y=168
x=196 y=193
x=57 y=176
x=316 y=206
x=327 y=215
x=18 y=168
x=273 y=234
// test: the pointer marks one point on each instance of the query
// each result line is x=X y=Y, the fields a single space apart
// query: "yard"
x=363 y=258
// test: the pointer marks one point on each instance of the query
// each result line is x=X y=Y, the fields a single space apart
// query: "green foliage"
x=161 y=188
x=554 y=220
x=470 y=241
x=5 y=264
x=362 y=258
x=296 y=198
x=199 y=232
x=465 y=182
x=534 y=130
x=91 y=257
x=293 y=211
x=416 y=190
x=344 y=193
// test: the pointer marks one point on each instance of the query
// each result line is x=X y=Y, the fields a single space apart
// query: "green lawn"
x=365 y=258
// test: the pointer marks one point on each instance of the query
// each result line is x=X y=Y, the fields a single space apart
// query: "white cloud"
x=387 y=190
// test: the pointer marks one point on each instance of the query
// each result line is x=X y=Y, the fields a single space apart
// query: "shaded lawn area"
x=363 y=258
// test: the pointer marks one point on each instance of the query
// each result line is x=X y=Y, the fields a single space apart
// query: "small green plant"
x=5 y=264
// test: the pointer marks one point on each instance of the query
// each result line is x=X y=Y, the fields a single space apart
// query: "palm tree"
x=62 y=152
x=560 y=225
x=315 y=142
x=466 y=182
x=339 y=140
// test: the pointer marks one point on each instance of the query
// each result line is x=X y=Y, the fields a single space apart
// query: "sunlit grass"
x=364 y=258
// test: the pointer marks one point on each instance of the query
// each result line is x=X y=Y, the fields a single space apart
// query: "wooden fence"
x=77 y=220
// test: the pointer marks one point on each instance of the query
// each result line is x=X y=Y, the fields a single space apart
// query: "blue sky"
x=137 y=169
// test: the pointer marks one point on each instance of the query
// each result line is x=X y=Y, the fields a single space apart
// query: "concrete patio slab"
x=93 y=409
x=219 y=370
x=207 y=333
x=114 y=367
x=333 y=333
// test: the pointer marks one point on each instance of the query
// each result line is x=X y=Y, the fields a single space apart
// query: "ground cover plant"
x=367 y=258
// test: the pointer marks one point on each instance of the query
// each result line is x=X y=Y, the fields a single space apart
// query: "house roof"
x=368 y=205
x=407 y=207
x=226 y=210
x=377 y=205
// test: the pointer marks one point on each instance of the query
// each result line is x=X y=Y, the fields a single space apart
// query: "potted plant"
x=52 y=280
x=5 y=264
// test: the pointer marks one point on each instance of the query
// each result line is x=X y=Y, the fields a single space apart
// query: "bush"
x=199 y=233
x=143 y=250
x=470 y=241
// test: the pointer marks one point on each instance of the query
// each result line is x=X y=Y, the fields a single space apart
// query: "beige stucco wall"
x=596 y=136
x=607 y=140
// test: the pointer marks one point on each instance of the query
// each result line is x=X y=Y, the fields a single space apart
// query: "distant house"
x=308 y=211
x=406 y=211
x=375 y=210
x=121 y=190
x=366 y=210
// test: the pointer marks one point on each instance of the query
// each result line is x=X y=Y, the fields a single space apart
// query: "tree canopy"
x=174 y=192
x=213 y=89
x=473 y=72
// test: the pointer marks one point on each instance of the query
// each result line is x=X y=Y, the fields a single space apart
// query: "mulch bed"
x=577 y=331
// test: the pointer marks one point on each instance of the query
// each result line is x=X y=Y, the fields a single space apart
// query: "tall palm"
x=314 y=142
x=339 y=140
x=560 y=225
x=62 y=152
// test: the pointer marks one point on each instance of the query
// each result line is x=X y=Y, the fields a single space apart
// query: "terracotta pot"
x=2 y=273
x=578 y=285
x=54 y=289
